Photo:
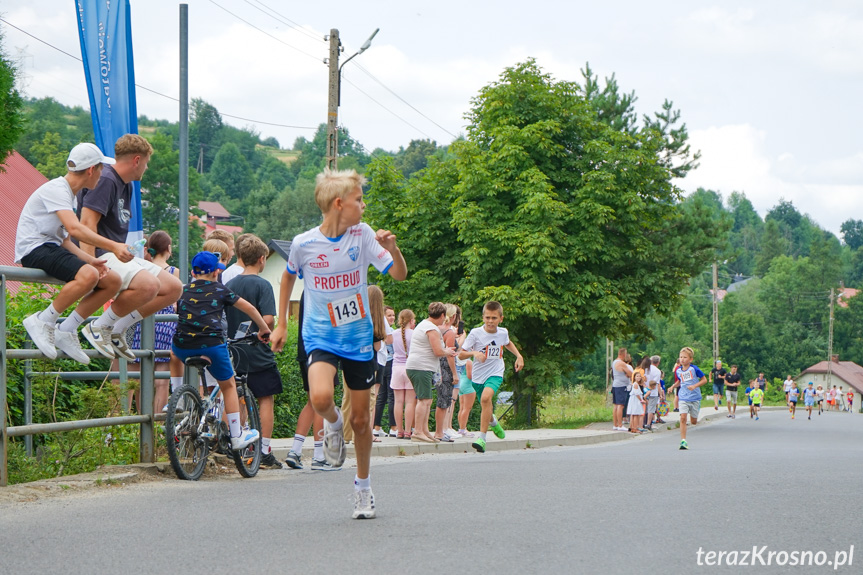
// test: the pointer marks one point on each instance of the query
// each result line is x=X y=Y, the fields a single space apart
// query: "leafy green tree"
x=613 y=108
x=232 y=172
x=573 y=226
x=415 y=157
x=677 y=156
x=745 y=236
x=773 y=245
x=11 y=103
x=205 y=123
x=287 y=214
x=276 y=172
x=50 y=156
x=852 y=233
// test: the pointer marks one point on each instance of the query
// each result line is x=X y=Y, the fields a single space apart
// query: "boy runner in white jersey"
x=485 y=346
x=333 y=260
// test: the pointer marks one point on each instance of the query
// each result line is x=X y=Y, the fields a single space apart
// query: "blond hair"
x=132 y=145
x=217 y=247
x=379 y=320
x=332 y=184
x=221 y=235
x=406 y=316
x=688 y=351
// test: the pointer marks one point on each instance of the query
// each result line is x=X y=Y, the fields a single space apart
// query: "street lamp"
x=335 y=92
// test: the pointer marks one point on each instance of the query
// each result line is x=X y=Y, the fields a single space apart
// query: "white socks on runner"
x=360 y=484
x=298 y=443
x=339 y=422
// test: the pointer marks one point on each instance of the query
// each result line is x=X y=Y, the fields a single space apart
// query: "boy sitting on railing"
x=42 y=241
x=200 y=332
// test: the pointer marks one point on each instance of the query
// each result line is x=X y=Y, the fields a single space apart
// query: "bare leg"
x=487 y=409
x=410 y=408
x=361 y=423
x=266 y=407
x=321 y=376
x=465 y=405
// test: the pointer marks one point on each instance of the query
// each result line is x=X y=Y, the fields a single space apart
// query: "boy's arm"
x=277 y=340
x=251 y=311
x=399 y=270
x=519 y=361
x=89 y=238
x=701 y=382
x=100 y=266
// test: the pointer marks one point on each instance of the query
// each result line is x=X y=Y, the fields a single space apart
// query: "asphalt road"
x=639 y=506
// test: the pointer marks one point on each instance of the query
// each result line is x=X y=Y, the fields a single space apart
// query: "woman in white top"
x=422 y=366
x=405 y=400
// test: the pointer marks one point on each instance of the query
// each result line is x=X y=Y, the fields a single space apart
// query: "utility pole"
x=715 y=315
x=830 y=341
x=333 y=101
x=609 y=355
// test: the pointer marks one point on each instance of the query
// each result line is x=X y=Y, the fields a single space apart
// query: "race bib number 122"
x=346 y=310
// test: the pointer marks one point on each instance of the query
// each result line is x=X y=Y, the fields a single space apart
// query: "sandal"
x=376 y=439
x=407 y=435
x=400 y=435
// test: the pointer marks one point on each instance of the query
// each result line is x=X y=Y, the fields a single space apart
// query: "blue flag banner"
x=105 y=31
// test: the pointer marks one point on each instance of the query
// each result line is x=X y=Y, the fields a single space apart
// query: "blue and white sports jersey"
x=336 y=298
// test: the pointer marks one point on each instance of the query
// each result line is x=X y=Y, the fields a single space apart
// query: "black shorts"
x=55 y=261
x=359 y=375
x=304 y=374
x=264 y=383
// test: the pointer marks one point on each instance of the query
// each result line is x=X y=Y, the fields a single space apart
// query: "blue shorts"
x=620 y=395
x=221 y=367
x=465 y=385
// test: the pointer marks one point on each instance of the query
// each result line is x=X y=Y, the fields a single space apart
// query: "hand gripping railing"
x=146 y=354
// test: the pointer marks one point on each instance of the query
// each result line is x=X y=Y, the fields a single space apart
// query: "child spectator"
x=256 y=361
x=636 y=403
x=43 y=241
x=200 y=332
x=405 y=398
x=485 y=346
x=691 y=379
x=333 y=260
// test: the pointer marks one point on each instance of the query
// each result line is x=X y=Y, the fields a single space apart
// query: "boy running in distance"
x=485 y=345
x=691 y=379
x=333 y=259
x=757 y=396
x=793 y=394
x=809 y=399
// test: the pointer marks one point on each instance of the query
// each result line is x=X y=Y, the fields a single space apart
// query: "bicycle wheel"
x=248 y=459
x=187 y=449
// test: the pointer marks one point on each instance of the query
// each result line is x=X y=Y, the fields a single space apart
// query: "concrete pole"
x=184 y=142
x=333 y=102
x=715 y=315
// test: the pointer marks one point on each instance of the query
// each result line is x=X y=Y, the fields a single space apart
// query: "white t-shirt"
x=653 y=375
x=383 y=356
x=39 y=223
x=233 y=271
x=335 y=294
x=421 y=357
x=491 y=344
x=787 y=385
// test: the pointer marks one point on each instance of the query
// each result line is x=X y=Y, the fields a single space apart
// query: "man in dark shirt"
x=732 y=382
x=717 y=376
x=105 y=210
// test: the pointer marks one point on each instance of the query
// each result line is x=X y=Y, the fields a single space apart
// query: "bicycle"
x=194 y=426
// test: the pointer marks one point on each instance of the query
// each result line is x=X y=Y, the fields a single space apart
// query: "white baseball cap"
x=86 y=155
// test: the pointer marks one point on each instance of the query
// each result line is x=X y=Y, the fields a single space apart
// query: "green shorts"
x=422 y=382
x=492 y=383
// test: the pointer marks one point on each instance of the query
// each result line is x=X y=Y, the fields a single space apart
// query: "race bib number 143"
x=346 y=310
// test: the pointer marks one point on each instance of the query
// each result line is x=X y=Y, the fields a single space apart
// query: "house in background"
x=17 y=183
x=845 y=373
x=277 y=261
x=219 y=218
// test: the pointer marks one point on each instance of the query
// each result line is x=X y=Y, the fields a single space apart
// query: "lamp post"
x=335 y=92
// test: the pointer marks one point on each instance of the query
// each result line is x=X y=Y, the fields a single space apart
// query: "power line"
x=385 y=108
x=262 y=31
x=285 y=20
x=408 y=104
x=155 y=91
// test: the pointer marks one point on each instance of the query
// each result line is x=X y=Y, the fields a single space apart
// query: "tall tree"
x=231 y=172
x=11 y=116
x=852 y=233
x=204 y=128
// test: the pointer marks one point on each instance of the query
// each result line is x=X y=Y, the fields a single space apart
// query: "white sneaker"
x=334 y=445
x=42 y=335
x=364 y=504
x=100 y=339
x=451 y=435
x=68 y=343
x=247 y=438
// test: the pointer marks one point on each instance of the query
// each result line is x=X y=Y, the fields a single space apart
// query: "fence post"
x=147 y=449
x=4 y=439
x=28 y=398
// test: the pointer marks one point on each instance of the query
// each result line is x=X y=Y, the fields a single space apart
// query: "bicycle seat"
x=198 y=361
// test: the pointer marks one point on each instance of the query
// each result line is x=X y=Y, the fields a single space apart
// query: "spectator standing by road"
x=717 y=378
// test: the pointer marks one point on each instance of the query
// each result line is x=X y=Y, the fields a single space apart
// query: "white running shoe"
x=247 y=438
x=334 y=445
x=42 y=335
x=68 y=343
x=364 y=504
x=100 y=339
x=451 y=435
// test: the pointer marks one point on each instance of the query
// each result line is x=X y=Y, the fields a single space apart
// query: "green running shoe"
x=683 y=444
x=479 y=444
x=498 y=431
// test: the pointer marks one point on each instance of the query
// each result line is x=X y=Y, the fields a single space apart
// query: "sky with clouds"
x=770 y=91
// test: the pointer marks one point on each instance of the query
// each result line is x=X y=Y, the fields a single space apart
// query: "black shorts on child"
x=264 y=383
x=359 y=375
x=55 y=261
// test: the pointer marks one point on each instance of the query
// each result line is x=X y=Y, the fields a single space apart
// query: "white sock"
x=493 y=421
x=339 y=421
x=319 y=450
x=482 y=435
x=360 y=484
x=126 y=321
x=71 y=323
x=265 y=445
x=107 y=319
x=298 y=443
x=234 y=424
x=176 y=383
x=49 y=315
